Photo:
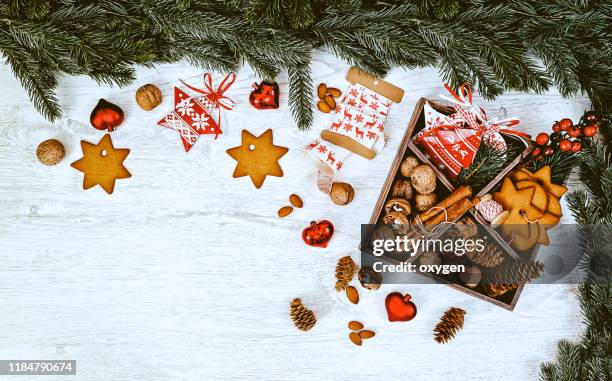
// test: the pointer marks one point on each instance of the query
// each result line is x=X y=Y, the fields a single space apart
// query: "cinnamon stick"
x=452 y=212
x=453 y=198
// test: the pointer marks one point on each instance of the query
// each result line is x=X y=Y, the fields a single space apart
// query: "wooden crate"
x=444 y=187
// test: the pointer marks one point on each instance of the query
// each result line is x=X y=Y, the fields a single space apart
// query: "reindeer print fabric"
x=329 y=155
x=360 y=116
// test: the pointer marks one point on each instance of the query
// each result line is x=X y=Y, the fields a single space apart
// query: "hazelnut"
x=342 y=193
x=398 y=205
x=395 y=218
x=50 y=152
x=148 y=97
x=369 y=278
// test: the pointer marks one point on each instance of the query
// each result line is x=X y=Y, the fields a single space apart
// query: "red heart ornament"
x=264 y=95
x=399 y=307
x=318 y=234
x=106 y=116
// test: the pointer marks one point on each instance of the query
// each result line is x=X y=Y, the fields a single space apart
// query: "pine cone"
x=450 y=323
x=345 y=270
x=495 y=290
x=517 y=272
x=491 y=256
x=302 y=317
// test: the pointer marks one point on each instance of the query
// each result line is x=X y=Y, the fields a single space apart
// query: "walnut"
x=402 y=188
x=342 y=193
x=148 y=97
x=424 y=202
x=408 y=165
x=423 y=179
x=50 y=152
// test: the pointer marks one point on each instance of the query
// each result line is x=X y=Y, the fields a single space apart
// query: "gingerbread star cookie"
x=545 y=200
x=257 y=157
x=102 y=164
x=518 y=200
x=543 y=177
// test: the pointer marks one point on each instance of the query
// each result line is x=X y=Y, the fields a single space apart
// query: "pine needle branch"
x=300 y=95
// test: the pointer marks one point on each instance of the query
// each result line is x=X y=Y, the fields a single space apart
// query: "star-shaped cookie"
x=257 y=157
x=102 y=164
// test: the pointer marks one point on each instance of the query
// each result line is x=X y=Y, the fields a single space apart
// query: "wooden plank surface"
x=186 y=273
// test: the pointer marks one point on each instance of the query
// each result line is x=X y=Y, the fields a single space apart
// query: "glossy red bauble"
x=548 y=151
x=589 y=130
x=591 y=117
x=542 y=139
x=536 y=152
x=106 y=116
x=556 y=127
x=318 y=234
x=574 y=132
x=565 y=145
x=565 y=124
x=576 y=147
x=400 y=307
x=264 y=95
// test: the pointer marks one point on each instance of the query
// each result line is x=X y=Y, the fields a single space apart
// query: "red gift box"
x=451 y=141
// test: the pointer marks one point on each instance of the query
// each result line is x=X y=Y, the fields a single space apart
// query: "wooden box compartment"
x=444 y=187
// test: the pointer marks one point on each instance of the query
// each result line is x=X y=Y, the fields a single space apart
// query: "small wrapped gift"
x=451 y=141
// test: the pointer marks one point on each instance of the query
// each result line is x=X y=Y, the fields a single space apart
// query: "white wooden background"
x=185 y=273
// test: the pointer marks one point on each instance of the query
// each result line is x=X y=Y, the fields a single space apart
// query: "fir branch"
x=493 y=45
x=561 y=164
x=488 y=162
x=589 y=360
x=300 y=96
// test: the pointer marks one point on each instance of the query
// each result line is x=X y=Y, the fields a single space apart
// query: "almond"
x=296 y=201
x=323 y=107
x=352 y=294
x=355 y=325
x=285 y=211
x=354 y=336
x=366 y=334
x=322 y=91
x=334 y=92
x=330 y=102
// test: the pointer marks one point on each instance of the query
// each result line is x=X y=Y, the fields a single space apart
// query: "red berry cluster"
x=566 y=136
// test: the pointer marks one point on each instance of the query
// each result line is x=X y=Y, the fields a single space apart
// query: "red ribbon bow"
x=476 y=118
x=216 y=96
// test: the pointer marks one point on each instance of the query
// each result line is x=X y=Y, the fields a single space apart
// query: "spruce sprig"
x=589 y=359
x=490 y=44
x=488 y=162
